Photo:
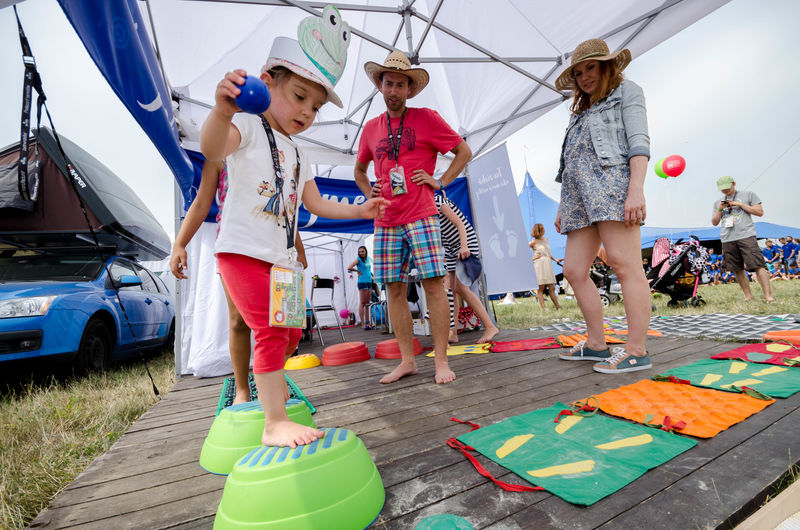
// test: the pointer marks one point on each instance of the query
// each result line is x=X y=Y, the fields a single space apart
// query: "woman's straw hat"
x=592 y=49
x=398 y=62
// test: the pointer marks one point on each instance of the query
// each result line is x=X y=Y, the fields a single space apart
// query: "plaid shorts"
x=396 y=246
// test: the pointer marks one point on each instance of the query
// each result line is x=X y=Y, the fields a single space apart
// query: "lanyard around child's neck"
x=276 y=165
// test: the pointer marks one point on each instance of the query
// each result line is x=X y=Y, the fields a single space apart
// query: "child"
x=214 y=181
x=264 y=162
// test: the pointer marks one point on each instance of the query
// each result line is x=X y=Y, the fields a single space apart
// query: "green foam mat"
x=229 y=392
x=581 y=458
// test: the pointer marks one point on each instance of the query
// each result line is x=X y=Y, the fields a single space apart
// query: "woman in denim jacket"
x=603 y=163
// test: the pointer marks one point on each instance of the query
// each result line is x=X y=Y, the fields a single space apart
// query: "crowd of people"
x=781 y=260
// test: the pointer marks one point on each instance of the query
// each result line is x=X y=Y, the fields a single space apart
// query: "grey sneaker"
x=622 y=361
x=580 y=352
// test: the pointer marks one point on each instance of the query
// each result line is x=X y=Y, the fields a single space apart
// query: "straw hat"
x=591 y=50
x=398 y=62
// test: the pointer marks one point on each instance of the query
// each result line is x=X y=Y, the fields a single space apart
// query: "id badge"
x=728 y=222
x=287 y=301
x=397 y=178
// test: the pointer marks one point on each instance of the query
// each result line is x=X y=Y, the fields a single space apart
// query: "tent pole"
x=178 y=208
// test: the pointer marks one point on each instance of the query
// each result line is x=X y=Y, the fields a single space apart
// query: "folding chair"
x=319 y=284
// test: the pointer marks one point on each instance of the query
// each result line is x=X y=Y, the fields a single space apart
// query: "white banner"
x=506 y=257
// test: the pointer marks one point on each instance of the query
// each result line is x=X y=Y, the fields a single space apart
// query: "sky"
x=721 y=94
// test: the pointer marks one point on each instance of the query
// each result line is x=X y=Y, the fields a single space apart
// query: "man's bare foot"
x=453 y=337
x=488 y=334
x=289 y=433
x=771 y=300
x=241 y=396
x=398 y=373
x=444 y=374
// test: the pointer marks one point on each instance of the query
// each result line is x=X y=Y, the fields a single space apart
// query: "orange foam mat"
x=568 y=341
x=706 y=412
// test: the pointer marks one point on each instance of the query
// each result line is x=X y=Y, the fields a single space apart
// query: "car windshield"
x=54 y=268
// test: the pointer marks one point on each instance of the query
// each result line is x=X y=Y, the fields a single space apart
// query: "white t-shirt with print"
x=255 y=214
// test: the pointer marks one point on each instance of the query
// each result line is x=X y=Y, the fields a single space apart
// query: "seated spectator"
x=713 y=260
x=771 y=256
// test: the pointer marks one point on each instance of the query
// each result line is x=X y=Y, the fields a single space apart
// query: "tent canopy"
x=492 y=70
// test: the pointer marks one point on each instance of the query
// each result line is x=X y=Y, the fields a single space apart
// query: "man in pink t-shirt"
x=404 y=143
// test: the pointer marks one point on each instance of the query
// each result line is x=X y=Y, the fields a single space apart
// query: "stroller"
x=677 y=269
x=606 y=282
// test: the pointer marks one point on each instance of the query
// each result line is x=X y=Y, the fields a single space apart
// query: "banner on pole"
x=507 y=262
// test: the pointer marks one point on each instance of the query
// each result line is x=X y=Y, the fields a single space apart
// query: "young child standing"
x=267 y=179
x=214 y=183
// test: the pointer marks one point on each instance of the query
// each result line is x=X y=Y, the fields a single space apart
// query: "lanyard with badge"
x=287 y=301
x=397 y=177
x=730 y=218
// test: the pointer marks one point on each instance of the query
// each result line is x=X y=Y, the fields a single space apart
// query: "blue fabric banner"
x=347 y=192
x=116 y=38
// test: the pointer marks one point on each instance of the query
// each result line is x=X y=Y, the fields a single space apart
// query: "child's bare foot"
x=401 y=371
x=453 y=337
x=289 y=433
x=488 y=334
x=443 y=373
x=286 y=393
x=242 y=396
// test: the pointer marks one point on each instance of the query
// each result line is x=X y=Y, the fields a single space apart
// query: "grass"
x=52 y=427
x=725 y=298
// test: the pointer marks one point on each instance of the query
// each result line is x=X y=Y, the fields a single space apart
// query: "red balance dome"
x=389 y=349
x=345 y=353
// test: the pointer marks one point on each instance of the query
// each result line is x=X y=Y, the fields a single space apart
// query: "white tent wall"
x=331 y=262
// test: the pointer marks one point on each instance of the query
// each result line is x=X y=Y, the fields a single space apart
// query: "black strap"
x=276 y=165
x=395 y=148
x=31 y=80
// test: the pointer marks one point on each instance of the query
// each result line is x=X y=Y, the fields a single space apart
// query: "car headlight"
x=25 y=307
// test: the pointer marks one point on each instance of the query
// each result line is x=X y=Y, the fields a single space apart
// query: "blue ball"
x=255 y=96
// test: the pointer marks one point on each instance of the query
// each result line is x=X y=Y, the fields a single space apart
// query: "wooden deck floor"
x=151 y=479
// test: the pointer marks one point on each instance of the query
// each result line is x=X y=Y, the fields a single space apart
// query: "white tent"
x=492 y=66
x=492 y=62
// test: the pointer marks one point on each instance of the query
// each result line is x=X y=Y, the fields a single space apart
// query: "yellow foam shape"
x=512 y=444
x=467 y=348
x=769 y=371
x=632 y=441
x=736 y=367
x=581 y=466
x=778 y=348
x=566 y=423
x=744 y=382
x=710 y=378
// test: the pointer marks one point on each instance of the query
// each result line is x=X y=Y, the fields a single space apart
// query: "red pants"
x=247 y=280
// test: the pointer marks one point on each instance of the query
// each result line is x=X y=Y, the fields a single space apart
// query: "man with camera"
x=740 y=250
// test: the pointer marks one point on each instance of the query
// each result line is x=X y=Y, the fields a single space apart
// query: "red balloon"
x=673 y=165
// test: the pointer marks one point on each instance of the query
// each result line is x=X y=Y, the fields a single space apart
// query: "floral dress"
x=589 y=191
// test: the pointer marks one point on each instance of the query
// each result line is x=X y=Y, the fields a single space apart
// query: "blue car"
x=65 y=306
